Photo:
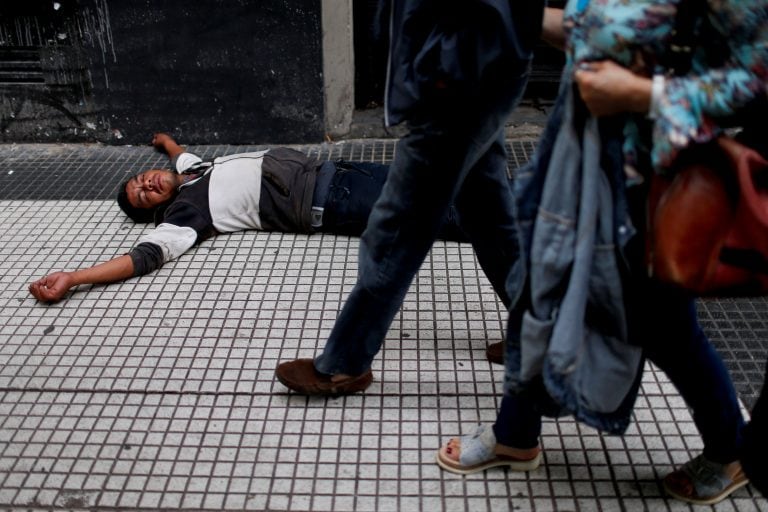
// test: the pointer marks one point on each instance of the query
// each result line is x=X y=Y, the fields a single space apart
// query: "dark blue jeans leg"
x=492 y=229
x=354 y=190
x=669 y=331
x=431 y=164
x=518 y=423
x=755 y=449
x=665 y=324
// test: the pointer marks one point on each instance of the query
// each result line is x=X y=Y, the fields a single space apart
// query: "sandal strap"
x=708 y=478
x=478 y=447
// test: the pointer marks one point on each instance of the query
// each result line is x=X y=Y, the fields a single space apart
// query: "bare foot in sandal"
x=479 y=451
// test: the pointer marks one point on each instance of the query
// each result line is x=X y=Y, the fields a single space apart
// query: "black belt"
x=322 y=187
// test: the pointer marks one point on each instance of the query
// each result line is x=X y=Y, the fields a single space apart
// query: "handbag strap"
x=750 y=171
x=680 y=56
x=692 y=25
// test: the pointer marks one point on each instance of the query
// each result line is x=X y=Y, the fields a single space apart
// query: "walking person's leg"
x=492 y=229
x=669 y=331
x=403 y=225
x=513 y=440
x=431 y=163
x=754 y=452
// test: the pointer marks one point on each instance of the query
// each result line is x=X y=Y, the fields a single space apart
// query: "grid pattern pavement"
x=159 y=394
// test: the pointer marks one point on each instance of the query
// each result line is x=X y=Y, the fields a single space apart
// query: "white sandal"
x=478 y=453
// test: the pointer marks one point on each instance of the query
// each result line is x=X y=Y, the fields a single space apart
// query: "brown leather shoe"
x=495 y=352
x=300 y=376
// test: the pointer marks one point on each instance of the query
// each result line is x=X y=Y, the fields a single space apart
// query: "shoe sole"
x=735 y=486
x=347 y=387
x=493 y=356
x=513 y=464
x=493 y=359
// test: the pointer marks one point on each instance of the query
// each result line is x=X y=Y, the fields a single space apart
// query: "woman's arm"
x=54 y=286
x=689 y=106
x=552 y=30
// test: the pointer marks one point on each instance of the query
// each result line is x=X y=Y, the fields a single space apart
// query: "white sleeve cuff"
x=185 y=160
x=173 y=240
x=657 y=90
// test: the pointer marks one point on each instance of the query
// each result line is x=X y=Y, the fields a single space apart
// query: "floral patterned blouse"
x=637 y=33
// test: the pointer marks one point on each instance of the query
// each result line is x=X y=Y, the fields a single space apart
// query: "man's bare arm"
x=552 y=30
x=165 y=144
x=54 y=286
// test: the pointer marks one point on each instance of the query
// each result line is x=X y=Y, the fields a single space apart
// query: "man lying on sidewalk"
x=278 y=189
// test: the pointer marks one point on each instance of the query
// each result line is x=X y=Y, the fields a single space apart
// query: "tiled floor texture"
x=159 y=394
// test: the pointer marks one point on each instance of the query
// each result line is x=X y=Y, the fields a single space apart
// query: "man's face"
x=151 y=188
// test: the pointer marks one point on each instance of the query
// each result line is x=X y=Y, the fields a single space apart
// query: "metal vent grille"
x=20 y=65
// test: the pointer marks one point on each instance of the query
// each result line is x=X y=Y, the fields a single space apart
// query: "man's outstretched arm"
x=53 y=287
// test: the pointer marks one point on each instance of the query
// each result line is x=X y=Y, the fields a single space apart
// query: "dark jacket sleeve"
x=147 y=257
x=443 y=49
x=184 y=225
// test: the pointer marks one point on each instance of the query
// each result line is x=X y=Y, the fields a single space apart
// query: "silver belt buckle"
x=316 y=217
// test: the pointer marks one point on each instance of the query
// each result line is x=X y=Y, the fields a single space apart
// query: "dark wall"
x=209 y=71
x=371 y=46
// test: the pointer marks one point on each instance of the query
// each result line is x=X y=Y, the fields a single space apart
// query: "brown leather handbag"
x=708 y=223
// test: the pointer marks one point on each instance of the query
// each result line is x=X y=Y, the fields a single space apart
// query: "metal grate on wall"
x=20 y=65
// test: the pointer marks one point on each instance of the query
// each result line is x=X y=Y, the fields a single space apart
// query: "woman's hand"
x=52 y=287
x=608 y=88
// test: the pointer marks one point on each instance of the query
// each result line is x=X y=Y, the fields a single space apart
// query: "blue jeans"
x=755 y=449
x=670 y=334
x=667 y=328
x=453 y=154
x=353 y=191
x=664 y=323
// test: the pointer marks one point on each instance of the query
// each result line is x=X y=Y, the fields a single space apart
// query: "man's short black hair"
x=136 y=214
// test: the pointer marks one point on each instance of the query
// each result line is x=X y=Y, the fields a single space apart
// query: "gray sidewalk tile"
x=159 y=394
